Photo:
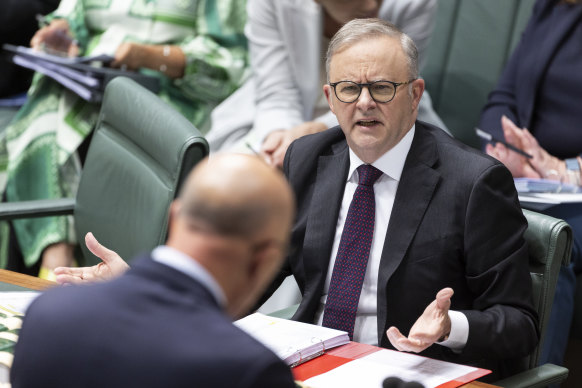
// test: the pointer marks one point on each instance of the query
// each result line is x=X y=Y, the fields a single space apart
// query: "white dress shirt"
x=187 y=265
x=366 y=325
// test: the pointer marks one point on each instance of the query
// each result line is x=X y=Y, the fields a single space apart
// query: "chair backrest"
x=140 y=152
x=471 y=42
x=550 y=246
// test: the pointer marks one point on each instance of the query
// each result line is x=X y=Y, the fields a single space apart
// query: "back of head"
x=361 y=29
x=234 y=217
x=234 y=195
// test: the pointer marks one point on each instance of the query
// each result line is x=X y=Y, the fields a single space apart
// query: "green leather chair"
x=141 y=151
x=550 y=245
x=471 y=42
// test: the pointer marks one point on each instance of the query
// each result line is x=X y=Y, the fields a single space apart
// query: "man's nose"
x=365 y=101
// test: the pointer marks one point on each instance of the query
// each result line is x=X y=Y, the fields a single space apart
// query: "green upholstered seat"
x=550 y=246
x=471 y=42
x=140 y=152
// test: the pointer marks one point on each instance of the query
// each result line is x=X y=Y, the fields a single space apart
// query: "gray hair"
x=357 y=30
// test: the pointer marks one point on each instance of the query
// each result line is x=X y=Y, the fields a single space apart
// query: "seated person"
x=391 y=221
x=283 y=99
x=166 y=322
x=196 y=48
x=536 y=107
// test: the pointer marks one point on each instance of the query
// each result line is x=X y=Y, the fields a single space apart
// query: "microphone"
x=395 y=382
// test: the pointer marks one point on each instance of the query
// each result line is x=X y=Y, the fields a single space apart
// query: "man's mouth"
x=367 y=123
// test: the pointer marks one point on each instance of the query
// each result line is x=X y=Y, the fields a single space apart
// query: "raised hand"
x=112 y=265
x=432 y=326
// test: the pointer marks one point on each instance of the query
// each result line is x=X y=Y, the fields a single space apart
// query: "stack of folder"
x=86 y=76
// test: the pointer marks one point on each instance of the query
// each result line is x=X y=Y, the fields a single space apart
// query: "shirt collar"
x=391 y=163
x=187 y=265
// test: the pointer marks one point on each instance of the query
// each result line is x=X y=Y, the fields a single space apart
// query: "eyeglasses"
x=381 y=91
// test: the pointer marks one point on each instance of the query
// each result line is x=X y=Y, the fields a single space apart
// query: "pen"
x=250 y=147
x=487 y=136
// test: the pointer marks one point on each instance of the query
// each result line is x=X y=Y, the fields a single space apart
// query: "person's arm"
x=278 y=98
x=502 y=321
x=216 y=52
x=502 y=100
x=111 y=267
x=168 y=59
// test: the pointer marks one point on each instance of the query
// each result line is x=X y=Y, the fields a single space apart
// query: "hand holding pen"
x=540 y=165
x=55 y=38
x=491 y=139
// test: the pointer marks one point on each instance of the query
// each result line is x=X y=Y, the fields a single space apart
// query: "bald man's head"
x=234 y=217
x=235 y=195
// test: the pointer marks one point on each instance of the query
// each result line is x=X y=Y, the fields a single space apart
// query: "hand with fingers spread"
x=434 y=325
x=111 y=267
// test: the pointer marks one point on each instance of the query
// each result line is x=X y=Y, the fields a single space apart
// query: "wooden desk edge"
x=25 y=281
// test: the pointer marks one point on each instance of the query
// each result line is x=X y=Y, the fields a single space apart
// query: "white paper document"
x=294 y=342
x=16 y=302
x=371 y=370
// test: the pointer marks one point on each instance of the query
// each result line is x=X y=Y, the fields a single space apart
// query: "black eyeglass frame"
x=368 y=84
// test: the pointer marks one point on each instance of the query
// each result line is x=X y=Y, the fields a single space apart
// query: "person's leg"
x=558 y=329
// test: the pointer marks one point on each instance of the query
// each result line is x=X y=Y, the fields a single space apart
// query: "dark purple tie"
x=352 y=255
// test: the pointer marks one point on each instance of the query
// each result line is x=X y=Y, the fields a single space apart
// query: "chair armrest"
x=38 y=208
x=540 y=376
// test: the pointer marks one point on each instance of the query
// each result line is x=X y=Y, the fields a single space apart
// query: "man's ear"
x=174 y=210
x=328 y=91
x=417 y=91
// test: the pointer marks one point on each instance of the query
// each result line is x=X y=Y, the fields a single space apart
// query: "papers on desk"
x=294 y=342
x=366 y=366
x=85 y=76
x=541 y=194
x=371 y=370
x=16 y=302
x=13 y=305
x=533 y=185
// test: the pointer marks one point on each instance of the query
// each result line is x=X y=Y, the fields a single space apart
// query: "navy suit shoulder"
x=152 y=327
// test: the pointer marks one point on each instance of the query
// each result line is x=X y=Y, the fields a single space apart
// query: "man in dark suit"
x=167 y=321
x=447 y=217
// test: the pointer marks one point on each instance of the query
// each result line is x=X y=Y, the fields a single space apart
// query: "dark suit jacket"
x=153 y=327
x=517 y=94
x=456 y=222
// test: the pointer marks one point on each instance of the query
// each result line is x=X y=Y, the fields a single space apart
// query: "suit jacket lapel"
x=415 y=190
x=329 y=187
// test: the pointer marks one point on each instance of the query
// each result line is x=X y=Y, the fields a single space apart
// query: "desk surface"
x=24 y=281
x=351 y=351
x=34 y=283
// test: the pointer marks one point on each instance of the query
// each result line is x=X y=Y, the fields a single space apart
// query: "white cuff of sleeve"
x=459 y=331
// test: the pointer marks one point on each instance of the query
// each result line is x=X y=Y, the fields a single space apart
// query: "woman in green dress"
x=197 y=49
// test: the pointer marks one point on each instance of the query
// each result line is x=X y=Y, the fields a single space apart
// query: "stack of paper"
x=533 y=185
x=294 y=342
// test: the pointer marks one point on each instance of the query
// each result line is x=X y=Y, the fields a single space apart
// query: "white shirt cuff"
x=459 y=331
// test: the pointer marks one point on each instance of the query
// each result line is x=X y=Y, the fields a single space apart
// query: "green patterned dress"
x=38 y=156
